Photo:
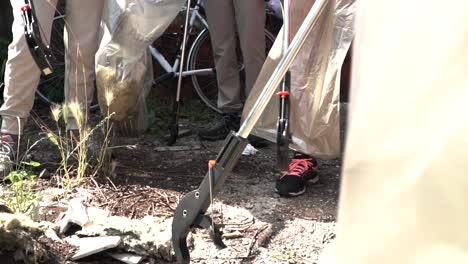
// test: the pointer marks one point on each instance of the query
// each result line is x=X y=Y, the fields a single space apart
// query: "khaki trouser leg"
x=250 y=17
x=21 y=73
x=223 y=16
x=81 y=42
x=221 y=22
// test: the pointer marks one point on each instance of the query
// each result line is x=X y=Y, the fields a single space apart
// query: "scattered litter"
x=76 y=214
x=50 y=233
x=149 y=236
x=176 y=148
x=249 y=150
x=92 y=245
x=127 y=258
x=73 y=240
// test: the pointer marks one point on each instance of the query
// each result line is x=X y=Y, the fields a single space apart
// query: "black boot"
x=220 y=128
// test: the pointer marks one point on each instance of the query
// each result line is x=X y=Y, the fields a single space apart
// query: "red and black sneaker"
x=302 y=169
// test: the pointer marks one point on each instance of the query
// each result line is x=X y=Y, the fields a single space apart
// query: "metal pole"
x=182 y=57
x=281 y=69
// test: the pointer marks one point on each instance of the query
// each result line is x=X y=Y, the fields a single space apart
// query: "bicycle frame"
x=171 y=70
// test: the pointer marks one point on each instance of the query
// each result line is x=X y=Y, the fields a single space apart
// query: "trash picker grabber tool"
x=191 y=209
x=40 y=52
x=174 y=123
x=283 y=137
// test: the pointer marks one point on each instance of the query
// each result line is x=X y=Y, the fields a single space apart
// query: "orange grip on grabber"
x=211 y=163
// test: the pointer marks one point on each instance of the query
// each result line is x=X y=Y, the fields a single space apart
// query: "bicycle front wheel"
x=201 y=59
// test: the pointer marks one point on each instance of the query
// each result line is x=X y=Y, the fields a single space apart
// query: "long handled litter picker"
x=174 y=124
x=283 y=137
x=192 y=207
x=40 y=52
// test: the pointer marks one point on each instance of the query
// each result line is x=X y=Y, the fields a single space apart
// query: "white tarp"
x=405 y=176
x=123 y=63
x=315 y=83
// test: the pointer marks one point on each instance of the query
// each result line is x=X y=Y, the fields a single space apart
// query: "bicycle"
x=199 y=65
x=200 y=62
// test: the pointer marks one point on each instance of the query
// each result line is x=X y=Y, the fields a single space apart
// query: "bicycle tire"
x=50 y=90
x=208 y=93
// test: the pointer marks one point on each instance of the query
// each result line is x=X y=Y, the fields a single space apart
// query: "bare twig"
x=99 y=189
x=112 y=183
x=167 y=202
x=255 y=238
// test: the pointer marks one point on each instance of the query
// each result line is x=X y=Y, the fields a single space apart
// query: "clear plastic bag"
x=123 y=65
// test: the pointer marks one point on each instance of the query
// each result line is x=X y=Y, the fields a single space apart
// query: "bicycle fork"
x=191 y=209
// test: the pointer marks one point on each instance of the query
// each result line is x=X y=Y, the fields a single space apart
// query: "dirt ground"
x=260 y=226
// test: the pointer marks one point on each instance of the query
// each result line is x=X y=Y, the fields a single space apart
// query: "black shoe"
x=221 y=128
x=8 y=148
x=257 y=142
x=302 y=169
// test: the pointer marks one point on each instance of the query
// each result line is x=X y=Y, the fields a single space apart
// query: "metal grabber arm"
x=32 y=32
x=283 y=136
x=192 y=207
x=174 y=122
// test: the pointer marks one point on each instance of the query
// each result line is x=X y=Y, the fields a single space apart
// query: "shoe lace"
x=298 y=166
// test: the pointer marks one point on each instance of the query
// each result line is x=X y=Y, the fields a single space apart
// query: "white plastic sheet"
x=405 y=177
x=123 y=64
x=314 y=118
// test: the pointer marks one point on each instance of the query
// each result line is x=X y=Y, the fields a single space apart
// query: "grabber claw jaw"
x=206 y=222
x=282 y=141
x=184 y=219
x=190 y=211
x=283 y=136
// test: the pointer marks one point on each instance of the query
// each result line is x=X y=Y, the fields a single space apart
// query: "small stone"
x=92 y=245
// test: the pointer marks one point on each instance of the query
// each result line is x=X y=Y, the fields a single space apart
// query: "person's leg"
x=81 y=37
x=250 y=17
x=222 y=27
x=21 y=72
x=21 y=79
